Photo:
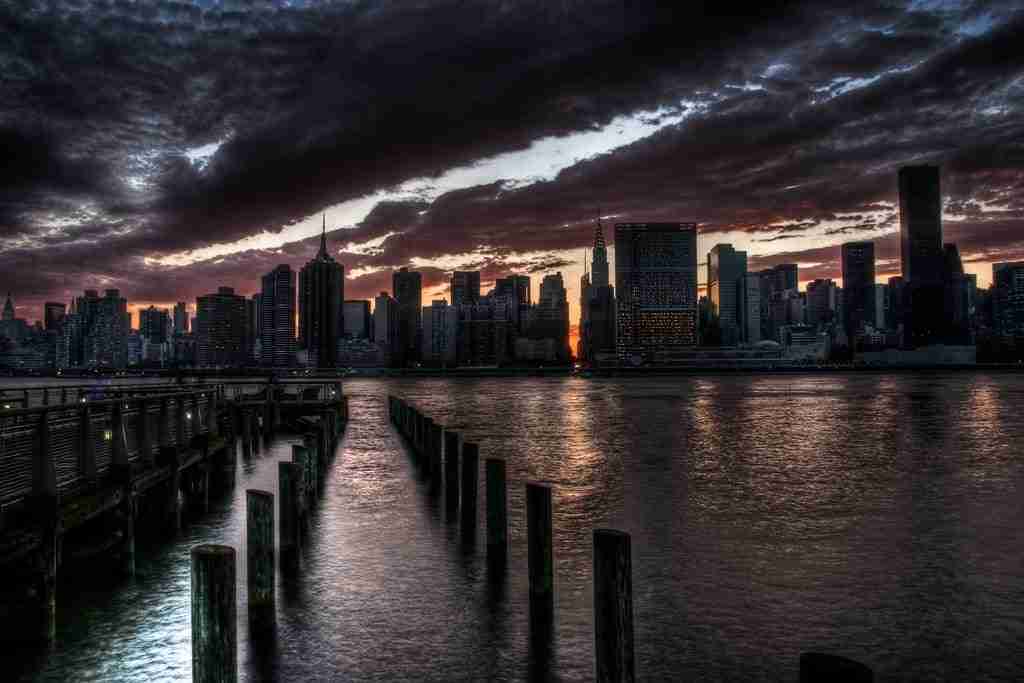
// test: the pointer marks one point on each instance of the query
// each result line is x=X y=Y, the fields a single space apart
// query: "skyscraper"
x=407 y=288
x=357 y=318
x=858 y=286
x=749 y=300
x=1008 y=300
x=385 y=324
x=321 y=312
x=656 y=277
x=180 y=318
x=465 y=287
x=53 y=315
x=8 y=313
x=597 y=304
x=921 y=257
x=277 y=317
x=153 y=324
x=821 y=303
x=726 y=268
x=551 y=315
x=107 y=338
x=220 y=329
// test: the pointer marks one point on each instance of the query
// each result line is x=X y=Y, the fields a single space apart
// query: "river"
x=871 y=515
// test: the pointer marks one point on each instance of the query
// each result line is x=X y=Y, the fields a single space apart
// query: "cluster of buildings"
x=932 y=312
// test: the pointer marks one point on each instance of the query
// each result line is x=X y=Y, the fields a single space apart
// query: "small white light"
x=82 y=400
x=107 y=435
x=188 y=415
x=7 y=406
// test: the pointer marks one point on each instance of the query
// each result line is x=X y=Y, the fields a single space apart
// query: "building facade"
x=321 y=307
x=726 y=270
x=277 y=317
x=858 y=286
x=407 y=288
x=220 y=339
x=656 y=278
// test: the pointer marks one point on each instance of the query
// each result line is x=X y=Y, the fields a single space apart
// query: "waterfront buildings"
x=921 y=257
x=357 y=319
x=53 y=315
x=180 y=318
x=385 y=324
x=277 y=317
x=597 y=306
x=465 y=287
x=726 y=270
x=858 y=262
x=656 y=278
x=220 y=337
x=1008 y=301
x=440 y=325
x=407 y=288
x=153 y=324
x=748 y=290
x=321 y=312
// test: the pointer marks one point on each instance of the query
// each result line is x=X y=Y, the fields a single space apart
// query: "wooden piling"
x=540 y=554
x=470 y=475
x=497 y=513
x=246 y=434
x=214 y=627
x=259 y=537
x=613 y=606
x=289 y=475
x=817 y=667
x=300 y=457
x=451 y=474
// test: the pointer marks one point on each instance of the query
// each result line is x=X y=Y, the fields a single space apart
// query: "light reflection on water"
x=875 y=516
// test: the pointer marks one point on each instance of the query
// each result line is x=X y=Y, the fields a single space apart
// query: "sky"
x=168 y=148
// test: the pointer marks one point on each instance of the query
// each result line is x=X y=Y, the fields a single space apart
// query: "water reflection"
x=870 y=515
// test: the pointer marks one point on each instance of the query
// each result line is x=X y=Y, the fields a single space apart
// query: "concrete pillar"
x=259 y=536
x=214 y=625
x=125 y=513
x=44 y=470
x=87 y=448
x=497 y=514
x=145 y=431
x=539 y=544
x=470 y=475
x=817 y=667
x=613 y=606
x=451 y=474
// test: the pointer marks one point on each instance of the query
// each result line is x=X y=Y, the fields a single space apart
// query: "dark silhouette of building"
x=220 y=329
x=550 y=318
x=597 y=305
x=726 y=270
x=321 y=306
x=180 y=318
x=407 y=288
x=779 y=285
x=358 y=322
x=921 y=257
x=153 y=323
x=822 y=303
x=465 y=287
x=277 y=317
x=53 y=315
x=656 y=278
x=1008 y=302
x=858 y=286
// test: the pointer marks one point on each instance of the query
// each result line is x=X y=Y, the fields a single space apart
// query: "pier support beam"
x=259 y=536
x=540 y=554
x=470 y=475
x=497 y=514
x=289 y=475
x=214 y=626
x=613 y=607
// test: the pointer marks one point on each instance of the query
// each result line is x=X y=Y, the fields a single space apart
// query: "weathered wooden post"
x=288 y=475
x=120 y=472
x=427 y=444
x=260 y=551
x=613 y=606
x=302 y=457
x=497 y=514
x=540 y=554
x=214 y=626
x=817 y=667
x=436 y=446
x=46 y=396
x=470 y=475
x=451 y=474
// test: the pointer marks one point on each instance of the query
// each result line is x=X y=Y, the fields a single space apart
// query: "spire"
x=8 y=313
x=599 y=234
x=323 y=240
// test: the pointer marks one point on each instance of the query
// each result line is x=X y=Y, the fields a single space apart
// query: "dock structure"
x=85 y=470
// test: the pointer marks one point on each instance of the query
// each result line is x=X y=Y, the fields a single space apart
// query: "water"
x=875 y=516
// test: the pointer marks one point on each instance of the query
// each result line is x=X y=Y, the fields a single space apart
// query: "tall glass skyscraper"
x=277 y=317
x=656 y=278
x=321 y=306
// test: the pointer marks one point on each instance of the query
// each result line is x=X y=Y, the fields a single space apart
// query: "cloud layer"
x=139 y=131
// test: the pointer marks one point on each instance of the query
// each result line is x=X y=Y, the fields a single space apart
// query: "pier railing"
x=59 y=449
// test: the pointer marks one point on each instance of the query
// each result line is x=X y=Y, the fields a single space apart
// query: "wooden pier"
x=86 y=469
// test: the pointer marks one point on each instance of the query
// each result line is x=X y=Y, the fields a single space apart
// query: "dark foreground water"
x=875 y=516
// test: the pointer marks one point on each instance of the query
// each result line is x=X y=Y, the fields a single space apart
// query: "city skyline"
x=172 y=202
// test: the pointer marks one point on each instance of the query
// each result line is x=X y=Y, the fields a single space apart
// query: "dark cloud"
x=803 y=114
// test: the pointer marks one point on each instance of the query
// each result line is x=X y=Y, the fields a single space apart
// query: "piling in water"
x=613 y=606
x=289 y=475
x=470 y=475
x=497 y=514
x=214 y=628
x=817 y=667
x=451 y=474
x=540 y=556
x=259 y=535
x=300 y=457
